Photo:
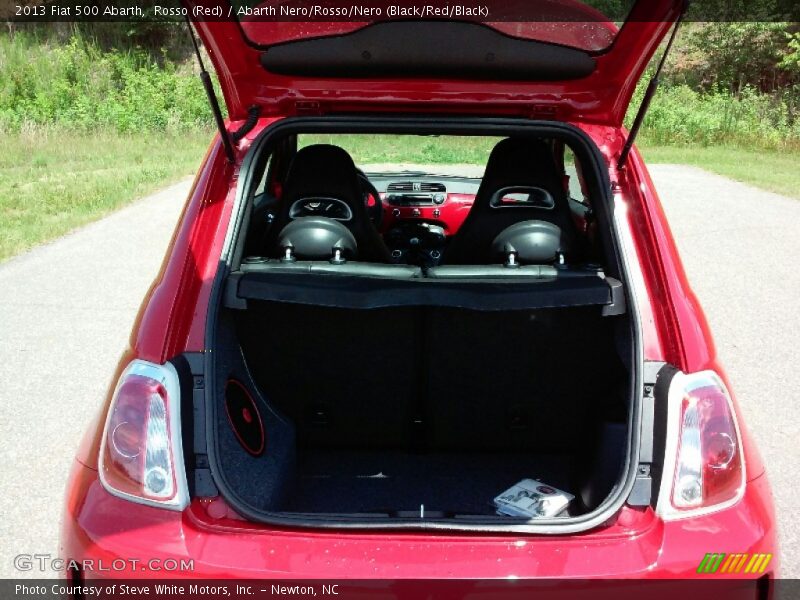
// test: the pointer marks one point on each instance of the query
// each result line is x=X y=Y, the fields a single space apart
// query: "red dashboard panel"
x=450 y=214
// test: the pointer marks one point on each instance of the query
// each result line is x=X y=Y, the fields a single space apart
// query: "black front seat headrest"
x=323 y=170
x=327 y=171
x=317 y=238
x=525 y=171
x=530 y=242
x=520 y=162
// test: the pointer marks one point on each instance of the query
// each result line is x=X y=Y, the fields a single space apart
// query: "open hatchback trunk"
x=393 y=395
x=359 y=394
x=554 y=59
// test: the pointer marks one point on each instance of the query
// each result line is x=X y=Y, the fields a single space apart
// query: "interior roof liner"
x=449 y=49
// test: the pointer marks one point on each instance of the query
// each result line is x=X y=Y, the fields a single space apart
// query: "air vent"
x=417 y=186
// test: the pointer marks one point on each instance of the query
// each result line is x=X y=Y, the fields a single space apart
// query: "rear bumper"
x=120 y=539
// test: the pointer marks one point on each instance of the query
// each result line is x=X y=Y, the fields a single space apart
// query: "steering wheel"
x=375 y=208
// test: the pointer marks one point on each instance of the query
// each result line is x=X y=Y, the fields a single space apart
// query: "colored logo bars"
x=733 y=563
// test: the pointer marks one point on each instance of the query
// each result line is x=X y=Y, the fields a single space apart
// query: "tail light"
x=704 y=469
x=141 y=457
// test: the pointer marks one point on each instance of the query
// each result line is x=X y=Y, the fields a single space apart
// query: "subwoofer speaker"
x=244 y=417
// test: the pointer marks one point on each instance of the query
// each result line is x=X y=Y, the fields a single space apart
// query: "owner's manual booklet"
x=533 y=499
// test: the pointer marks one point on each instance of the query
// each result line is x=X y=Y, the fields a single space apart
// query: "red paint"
x=451 y=213
x=636 y=544
x=601 y=97
x=595 y=34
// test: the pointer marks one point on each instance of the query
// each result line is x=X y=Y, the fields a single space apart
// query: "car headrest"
x=323 y=170
x=522 y=196
x=317 y=238
x=520 y=163
x=531 y=242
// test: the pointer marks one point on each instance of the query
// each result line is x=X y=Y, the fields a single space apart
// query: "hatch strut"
x=212 y=97
x=648 y=94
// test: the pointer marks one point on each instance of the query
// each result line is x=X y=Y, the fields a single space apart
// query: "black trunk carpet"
x=386 y=482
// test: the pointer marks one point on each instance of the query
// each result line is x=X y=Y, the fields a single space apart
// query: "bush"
x=78 y=86
x=76 y=82
x=680 y=115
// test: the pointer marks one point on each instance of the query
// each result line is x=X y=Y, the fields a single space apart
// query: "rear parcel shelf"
x=356 y=285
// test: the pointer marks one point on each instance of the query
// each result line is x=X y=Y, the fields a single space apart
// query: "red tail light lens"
x=704 y=445
x=141 y=458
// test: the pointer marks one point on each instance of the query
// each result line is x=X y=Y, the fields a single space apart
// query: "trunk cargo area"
x=421 y=411
x=399 y=483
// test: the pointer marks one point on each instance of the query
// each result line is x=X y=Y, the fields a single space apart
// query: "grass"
x=78 y=85
x=414 y=149
x=771 y=170
x=52 y=181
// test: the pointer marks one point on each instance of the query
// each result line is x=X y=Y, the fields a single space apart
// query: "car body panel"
x=171 y=320
x=101 y=528
x=512 y=17
x=602 y=97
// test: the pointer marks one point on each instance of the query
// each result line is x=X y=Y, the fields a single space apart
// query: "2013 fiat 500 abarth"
x=343 y=365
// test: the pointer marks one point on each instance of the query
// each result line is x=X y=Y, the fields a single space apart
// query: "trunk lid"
x=559 y=59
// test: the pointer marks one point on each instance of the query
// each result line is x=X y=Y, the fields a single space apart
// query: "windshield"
x=590 y=26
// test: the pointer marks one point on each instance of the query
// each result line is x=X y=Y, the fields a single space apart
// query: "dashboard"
x=442 y=199
x=421 y=211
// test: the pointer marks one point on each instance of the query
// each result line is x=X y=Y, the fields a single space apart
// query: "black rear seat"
x=347 y=378
x=431 y=377
x=518 y=379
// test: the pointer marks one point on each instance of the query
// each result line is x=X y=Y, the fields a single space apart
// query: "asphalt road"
x=66 y=309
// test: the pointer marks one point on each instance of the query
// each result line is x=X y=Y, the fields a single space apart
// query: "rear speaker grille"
x=244 y=418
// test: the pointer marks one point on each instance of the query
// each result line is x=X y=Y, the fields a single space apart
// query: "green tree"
x=738 y=55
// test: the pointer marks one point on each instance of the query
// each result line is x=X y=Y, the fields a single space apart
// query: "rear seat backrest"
x=508 y=380
x=516 y=380
x=346 y=378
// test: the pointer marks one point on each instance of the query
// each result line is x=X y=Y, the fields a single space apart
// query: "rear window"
x=590 y=25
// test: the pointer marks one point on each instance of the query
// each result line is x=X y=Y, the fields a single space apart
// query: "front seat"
x=326 y=171
x=515 y=163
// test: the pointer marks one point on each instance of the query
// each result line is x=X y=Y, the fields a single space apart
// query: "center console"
x=421 y=212
x=412 y=239
x=416 y=243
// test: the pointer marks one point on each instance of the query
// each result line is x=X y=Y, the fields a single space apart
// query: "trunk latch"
x=308 y=107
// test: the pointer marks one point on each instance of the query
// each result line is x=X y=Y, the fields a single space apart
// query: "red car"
x=344 y=372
